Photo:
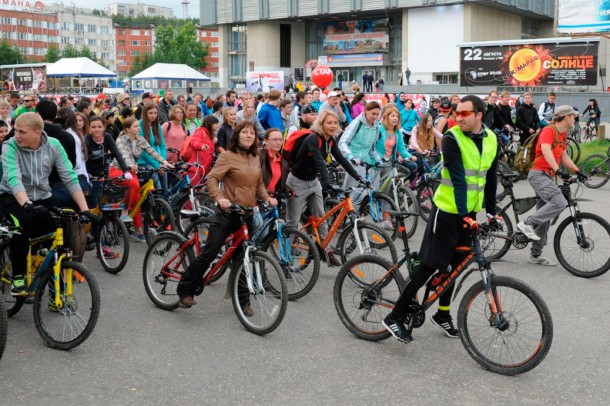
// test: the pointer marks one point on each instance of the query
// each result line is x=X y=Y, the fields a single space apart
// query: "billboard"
x=33 y=78
x=568 y=63
x=264 y=81
x=356 y=37
x=583 y=17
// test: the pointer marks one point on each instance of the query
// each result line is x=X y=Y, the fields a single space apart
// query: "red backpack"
x=293 y=143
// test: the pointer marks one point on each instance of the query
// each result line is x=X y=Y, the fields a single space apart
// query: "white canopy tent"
x=78 y=67
x=165 y=75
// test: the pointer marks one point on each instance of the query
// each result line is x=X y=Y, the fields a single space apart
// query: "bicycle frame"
x=145 y=189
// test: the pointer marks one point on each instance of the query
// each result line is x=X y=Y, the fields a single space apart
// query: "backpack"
x=524 y=159
x=294 y=142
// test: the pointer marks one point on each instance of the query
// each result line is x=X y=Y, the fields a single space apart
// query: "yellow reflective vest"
x=476 y=165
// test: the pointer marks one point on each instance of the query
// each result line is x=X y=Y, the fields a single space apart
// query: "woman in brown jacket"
x=239 y=170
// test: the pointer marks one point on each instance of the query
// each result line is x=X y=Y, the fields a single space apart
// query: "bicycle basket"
x=525 y=204
x=113 y=193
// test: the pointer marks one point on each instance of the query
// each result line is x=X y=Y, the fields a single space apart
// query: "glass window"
x=121 y=42
x=214 y=33
x=91 y=28
x=135 y=53
x=135 y=43
x=135 y=32
x=79 y=27
x=92 y=42
x=121 y=53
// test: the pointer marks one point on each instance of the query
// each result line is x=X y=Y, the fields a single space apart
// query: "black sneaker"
x=398 y=330
x=446 y=325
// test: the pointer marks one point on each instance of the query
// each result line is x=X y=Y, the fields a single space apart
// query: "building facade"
x=32 y=33
x=209 y=35
x=138 y=9
x=356 y=36
x=131 y=43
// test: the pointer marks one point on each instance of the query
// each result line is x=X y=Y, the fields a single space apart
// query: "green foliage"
x=97 y=12
x=9 y=54
x=145 y=20
x=53 y=54
x=70 y=52
x=174 y=46
x=86 y=52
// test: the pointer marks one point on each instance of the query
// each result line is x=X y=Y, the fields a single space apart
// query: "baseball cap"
x=122 y=97
x=147 y=95
x=564 y=110
x=436 y=100
x=445 y=105
x=309 y=109
x=332 y=94
x=126 y=111
x=107 y=113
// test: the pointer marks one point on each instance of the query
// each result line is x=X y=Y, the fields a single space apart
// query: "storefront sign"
x=582 y=17
x=22 y=5
x=355 y=60
x=264 y=81
x=356 y=36
x=25 y=78
x=568 y=63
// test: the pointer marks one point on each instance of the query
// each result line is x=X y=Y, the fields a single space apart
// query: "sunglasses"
x=464 y=113
x=27 y=100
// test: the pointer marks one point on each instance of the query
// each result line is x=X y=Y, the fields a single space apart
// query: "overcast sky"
x=99 y=4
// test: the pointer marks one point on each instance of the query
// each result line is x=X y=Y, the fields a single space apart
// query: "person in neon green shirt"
x=28 y=106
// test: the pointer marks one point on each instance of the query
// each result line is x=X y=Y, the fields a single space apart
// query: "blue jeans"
x=160 y=181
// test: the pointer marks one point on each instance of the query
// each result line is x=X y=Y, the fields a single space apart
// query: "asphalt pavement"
x=139 y=354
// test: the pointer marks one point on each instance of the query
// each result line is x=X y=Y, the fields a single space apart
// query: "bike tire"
x=380 y=200
x=425 y=197
x=474 y=321
x=111 y=234
x=408 y=202
x=573 y=149
x=378 y=240
x=203 y=224
x=185 y=204
x=495 y=243
x=12 y=304
x=157 y=218
x=79 y=313
x=597 y=232
x=597 y=168
x=269 y=303
x=156 y=258
x=302 y=272
x=355 y=299
x=3 y=326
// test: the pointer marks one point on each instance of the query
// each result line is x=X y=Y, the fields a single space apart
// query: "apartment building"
x=31 y=32
x=131 y=43
x=138 y=9
x=210 y=37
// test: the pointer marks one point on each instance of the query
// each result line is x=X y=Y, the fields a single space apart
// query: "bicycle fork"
x=253 y=273
x=497 y=318
x=361 y=239
x=581 y=238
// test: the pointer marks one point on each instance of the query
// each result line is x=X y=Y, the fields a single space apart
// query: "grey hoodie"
x=28 y=170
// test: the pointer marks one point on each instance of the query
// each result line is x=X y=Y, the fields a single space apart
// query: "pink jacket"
x=357 y=109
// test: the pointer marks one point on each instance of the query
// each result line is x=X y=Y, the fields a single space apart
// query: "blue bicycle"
x=294 y=250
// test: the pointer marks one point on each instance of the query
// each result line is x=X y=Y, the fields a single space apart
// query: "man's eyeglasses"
x=27 y=100
x=464 y=113
x=274 y=139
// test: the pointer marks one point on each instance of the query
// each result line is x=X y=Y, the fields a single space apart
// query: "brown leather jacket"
x=263 y=153
x=240 y=174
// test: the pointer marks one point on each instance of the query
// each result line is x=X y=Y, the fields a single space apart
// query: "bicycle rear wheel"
x=425 y=198
x=71 y=324
x=300 y=262
x=381 y=203
x=515 y=347
x=161 y=276
x=590 y=256
x=157 y=218
x=408 y=202
x=597 y=167
x=3 y=326
x=202 y=199
x=360 y=301
x=112 y=243
x=495 y=243
x=12 y=304
x=268 y=297
x=373 y=239
x=202 y=224
x=573 y=149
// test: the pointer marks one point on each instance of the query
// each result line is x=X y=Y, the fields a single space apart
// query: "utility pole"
x=185 y=9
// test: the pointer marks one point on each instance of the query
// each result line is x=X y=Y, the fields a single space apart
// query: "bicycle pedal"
x=29 y=300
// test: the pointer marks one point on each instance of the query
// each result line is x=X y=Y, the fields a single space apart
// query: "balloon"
x=322 y=76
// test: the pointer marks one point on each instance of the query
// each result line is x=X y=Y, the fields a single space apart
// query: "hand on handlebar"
x=582 y=176
x=495 y=220
x=36 y=210
x=91 y=217
x=355 y=161
x=334 y=188
x=562 y=174
x=272 y=201
x=127 y=175
x=470 y=223
x=224 y=204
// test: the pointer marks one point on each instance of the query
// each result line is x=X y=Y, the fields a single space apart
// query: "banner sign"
x=568 y=63
x=356 y=36
x=583 y=17
x=350 y=60
x=264 y=81
x=24 y=78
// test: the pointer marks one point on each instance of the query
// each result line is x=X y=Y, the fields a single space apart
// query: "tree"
x=86 y=52
x=53 y=54
x=70 y=52
x=9 y=54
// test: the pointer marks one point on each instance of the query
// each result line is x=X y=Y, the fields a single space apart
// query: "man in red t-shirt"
x=550 y=154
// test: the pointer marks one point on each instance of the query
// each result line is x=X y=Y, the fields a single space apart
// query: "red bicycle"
x=255 y=279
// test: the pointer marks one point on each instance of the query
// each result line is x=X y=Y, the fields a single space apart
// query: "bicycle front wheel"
x=3 y=326
x=112 y=243
x=597 y=168
x=573 y=149
x=299 y=258
x=523 y=338
x=264 y=290
x=375 y=213
x=157 y=219
x=12 y=304
x=365 y=293
x=589 y=255
x=69 y=323
x=373 y=240
x=164 y=264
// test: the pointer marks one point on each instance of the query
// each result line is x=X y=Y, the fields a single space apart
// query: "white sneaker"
x=528 y=231
x=541 y=261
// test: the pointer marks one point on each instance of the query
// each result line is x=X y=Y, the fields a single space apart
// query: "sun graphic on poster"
x=525 y=65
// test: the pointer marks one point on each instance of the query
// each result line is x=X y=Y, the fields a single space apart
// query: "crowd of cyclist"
x=53 y=154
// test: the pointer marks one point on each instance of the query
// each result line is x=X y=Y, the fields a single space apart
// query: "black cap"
x=147 y=95
x=309 y=109
x=126 y=111
x=445 y=105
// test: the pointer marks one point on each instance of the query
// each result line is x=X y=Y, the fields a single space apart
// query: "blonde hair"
x=505 y=93
x=385 y=118
x=225 y=114
x=317 y=125
x=31 y=120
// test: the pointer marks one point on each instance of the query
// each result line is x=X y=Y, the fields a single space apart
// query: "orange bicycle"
x=357 y=236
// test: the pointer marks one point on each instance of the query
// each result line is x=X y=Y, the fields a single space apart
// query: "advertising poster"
x=356 y=37
x=264 y=81
x=583 y=17
x=568 y=63
x=25 y=78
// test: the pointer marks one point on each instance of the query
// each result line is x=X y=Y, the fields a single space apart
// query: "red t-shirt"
x=276 y=170
x=547 y=136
